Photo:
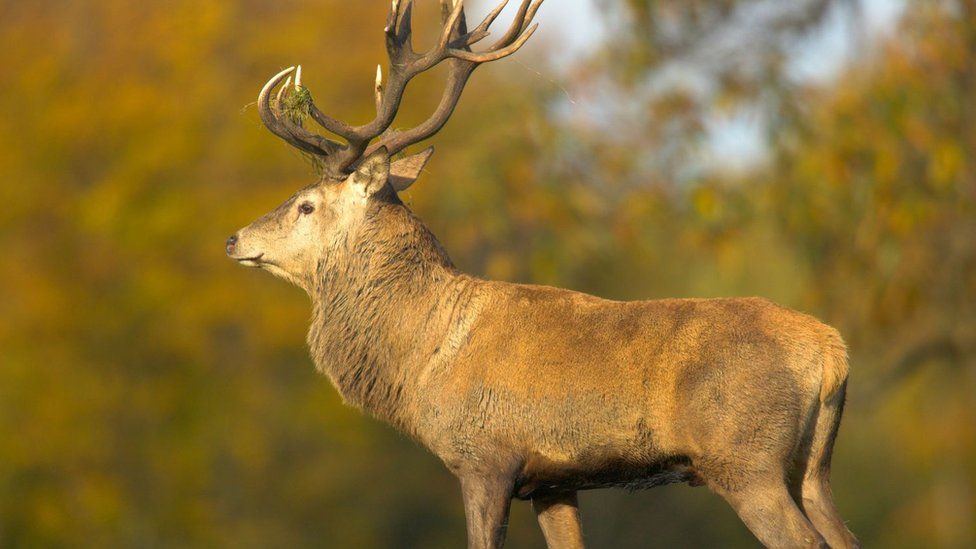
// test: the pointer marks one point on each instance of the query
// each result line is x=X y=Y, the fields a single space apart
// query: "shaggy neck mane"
x=376 y=309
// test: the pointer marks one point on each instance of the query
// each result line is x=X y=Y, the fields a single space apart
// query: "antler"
x=453 y=45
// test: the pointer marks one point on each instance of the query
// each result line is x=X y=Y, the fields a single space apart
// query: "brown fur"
x=536 y=392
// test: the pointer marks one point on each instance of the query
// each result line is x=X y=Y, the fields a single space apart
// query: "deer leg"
x=560 y=521
x=818 y=503
x=815 y=494
x=771 y=515
x=486 y=504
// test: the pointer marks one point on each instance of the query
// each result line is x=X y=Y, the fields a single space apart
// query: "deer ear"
x=372 y=173
x=405 y=171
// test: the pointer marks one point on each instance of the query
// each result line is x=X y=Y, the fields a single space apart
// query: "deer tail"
x=835 y=366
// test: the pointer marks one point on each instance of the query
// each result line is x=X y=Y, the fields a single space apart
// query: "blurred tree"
x=152 y=393
x=875 y=187
x=864 y=215
x=671 y=68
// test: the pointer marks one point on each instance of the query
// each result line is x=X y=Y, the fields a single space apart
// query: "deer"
x=530 y=392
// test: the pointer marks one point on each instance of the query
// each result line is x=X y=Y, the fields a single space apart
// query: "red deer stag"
x=532 y=392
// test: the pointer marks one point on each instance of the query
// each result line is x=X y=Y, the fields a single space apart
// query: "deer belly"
x=540 y=476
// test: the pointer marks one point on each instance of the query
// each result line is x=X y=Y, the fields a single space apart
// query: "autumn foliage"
x=153 y=393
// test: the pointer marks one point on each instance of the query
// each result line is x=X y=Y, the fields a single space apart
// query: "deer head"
x=292 y=240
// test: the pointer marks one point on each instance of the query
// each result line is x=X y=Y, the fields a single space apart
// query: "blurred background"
x=821 y=153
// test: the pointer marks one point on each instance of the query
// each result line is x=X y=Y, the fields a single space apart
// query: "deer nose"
x=231 y=244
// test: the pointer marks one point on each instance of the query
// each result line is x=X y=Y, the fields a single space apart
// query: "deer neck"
x=382 y=305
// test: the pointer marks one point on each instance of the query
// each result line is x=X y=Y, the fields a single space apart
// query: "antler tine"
x=279 y=98
x=453 y=45
x=404 y=31
x=494 y=55
x=481 y=31
x=271 y=120
x=531 y=15
x=518 y=34
x=522 y=18
x=512 y=41
x=463 y=63
x=451 y=24
x=391 y=18
x=331 y=124
x=293 y=123
x=280 y=125
x=399 y=35
x=396 y=141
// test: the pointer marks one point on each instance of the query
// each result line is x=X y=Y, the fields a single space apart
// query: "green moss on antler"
x=297 y=105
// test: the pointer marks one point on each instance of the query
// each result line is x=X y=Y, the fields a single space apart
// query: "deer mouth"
x=251 y=261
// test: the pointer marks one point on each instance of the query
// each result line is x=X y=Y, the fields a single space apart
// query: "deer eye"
x=306 y=208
